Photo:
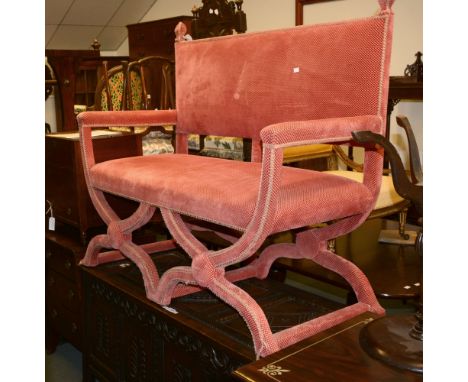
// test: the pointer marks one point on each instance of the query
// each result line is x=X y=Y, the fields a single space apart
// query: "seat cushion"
x=225 y=192
x=387 y=196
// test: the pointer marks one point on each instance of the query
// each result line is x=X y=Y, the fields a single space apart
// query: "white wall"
x=407 y=40
x=273 y=14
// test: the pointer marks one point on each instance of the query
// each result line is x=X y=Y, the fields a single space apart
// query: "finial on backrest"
x=180 y=31
x=386 y=4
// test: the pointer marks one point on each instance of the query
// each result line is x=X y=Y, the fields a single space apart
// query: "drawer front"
x=59 y=151
x=60 y=290
x=67 y=324
x=62 y=260
x=60 y=181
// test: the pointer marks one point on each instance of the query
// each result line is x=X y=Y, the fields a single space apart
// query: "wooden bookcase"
x=77 y=73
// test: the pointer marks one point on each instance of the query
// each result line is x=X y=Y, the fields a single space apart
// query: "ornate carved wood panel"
x=127 y=337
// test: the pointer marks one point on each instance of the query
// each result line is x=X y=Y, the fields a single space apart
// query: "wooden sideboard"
x=154 y=38
x=65 y=186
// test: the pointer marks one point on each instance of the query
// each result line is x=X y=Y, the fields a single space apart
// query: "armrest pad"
x=127 y=118
x=89 y=119
x=318 y=131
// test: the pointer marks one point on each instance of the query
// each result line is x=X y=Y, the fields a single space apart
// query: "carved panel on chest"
x=130 y=338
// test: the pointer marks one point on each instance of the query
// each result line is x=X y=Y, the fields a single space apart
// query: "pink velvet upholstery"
x=297 y=86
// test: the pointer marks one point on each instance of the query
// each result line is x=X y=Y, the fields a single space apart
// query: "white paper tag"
x=51 y=223
x=169 y=309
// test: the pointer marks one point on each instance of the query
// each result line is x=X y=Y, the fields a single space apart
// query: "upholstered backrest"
x=236 y=85
x=116 y=85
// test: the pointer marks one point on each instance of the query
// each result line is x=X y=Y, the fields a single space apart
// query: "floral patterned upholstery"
x=154 y=142
x=116 y=89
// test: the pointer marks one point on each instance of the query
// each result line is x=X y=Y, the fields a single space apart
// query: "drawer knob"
x=54 y=313
x=74 y=327
x=69 y=211
x=68 y=265
x=48 y=254
x=71 y=294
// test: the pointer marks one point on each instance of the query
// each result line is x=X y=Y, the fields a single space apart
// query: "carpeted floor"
x=64 y=365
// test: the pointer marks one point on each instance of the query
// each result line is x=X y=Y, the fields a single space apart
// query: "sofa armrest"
x=330 y=130
x=93 y=119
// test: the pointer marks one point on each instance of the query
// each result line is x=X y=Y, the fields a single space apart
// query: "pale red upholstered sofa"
x=296 y=86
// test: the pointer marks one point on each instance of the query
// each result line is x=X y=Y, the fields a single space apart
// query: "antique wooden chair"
x=383 y=338
x=111 y=89
x=129 y=87
x=328 y=81
x=389 y=201
x=156 y=74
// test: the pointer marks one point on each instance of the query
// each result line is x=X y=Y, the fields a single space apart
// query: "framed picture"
x=300 y=8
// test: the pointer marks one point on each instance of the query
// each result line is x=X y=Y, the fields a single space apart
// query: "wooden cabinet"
x=130 y=338
x=62 y=290
x=77 y=73
x=154 y=37
x=333 y=355
x=65 y=185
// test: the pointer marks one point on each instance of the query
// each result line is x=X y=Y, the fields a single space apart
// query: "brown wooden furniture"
x=390 y=202
x=65 y=64
x=383 y=338
x=62 y=288
x=218 y=18
x=407 y=87
x=76 y=73
x=143 y=84
x=65 y=187
x=394 y=271
x=128 y=337
x=63 y=292
x=154 y=38
x=334 y=355
x=300 y=8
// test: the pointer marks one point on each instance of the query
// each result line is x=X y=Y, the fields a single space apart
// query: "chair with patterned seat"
x=239 y=86
x=128 y=87
x=111 y=89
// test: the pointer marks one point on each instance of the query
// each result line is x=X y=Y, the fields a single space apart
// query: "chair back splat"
x=284 y=88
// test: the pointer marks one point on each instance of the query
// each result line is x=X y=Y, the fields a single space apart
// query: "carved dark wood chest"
x=129 y=338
